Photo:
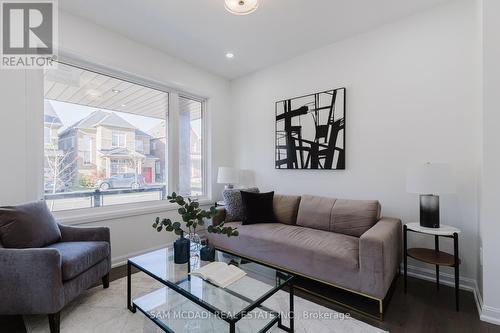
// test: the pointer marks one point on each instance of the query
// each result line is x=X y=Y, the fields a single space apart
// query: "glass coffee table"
x=191 y=304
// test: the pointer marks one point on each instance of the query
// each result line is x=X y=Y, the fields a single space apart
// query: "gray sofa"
x=344 y=243
x=42 y=278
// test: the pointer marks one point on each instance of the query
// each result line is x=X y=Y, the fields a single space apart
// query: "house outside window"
x=119 y=140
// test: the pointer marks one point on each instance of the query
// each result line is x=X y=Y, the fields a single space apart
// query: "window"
x=139 y=145
x=119 y=167
x=94 y=123
x=190 y=143
x=109 y=142
x=119 y=140
x=87 y=150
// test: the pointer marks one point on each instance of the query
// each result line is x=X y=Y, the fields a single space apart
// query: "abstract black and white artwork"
x=310 y=131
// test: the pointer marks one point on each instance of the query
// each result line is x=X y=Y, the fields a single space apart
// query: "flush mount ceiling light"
x=229 y=55
x=241 y=7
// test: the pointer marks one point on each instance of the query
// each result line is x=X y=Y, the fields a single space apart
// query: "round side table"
x=433 y=256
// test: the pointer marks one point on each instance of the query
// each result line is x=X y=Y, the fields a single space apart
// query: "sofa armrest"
x=31 y=281
x=78 y=234
x=380 y=256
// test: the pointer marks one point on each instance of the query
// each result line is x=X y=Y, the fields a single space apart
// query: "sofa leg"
x=54 y=322
x=105 y=281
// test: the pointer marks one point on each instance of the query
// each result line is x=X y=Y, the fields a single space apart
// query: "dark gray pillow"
x=233 y=203
x=27 y=226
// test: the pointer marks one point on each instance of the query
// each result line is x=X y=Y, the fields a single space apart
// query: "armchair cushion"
x=77 y=257
x=30 y=225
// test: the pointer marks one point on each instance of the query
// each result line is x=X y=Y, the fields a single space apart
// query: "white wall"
x=413 y=95
x=490 y=189
x=22 y=109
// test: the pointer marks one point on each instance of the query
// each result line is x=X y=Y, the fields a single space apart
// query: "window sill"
x=92 y=215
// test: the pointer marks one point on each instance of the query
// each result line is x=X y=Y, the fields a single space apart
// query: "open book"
x=219 y=273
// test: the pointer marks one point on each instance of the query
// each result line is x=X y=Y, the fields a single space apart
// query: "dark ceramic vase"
x=182 y=250
x=207 y=253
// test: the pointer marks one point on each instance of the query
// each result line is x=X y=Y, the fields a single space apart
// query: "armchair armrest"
x=380 y=256
x=31 y=281
x=78 y=234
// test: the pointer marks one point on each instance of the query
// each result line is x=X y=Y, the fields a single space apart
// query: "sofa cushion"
x=257 y=207
x=286 y=208
x=28 y=226
x=354 y=217
x=77 y=257
x=315 y=253
x=315 y=212
x=233 y=204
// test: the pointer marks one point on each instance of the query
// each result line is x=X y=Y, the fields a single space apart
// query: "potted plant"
x=192 y=216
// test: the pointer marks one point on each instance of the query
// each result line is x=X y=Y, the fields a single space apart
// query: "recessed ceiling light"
x=241 y=7
x=116 y=91
x=230 y=55
x=124 y=105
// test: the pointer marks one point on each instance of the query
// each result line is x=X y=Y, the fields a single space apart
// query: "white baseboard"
x=490 y=315
x=444 y=278
x=486 y=313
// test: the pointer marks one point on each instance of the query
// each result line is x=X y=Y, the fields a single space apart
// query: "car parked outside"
x=125 y=180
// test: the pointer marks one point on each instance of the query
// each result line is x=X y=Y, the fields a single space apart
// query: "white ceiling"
x=202 y=31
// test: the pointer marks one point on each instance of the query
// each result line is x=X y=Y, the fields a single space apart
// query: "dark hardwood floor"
x=422 y=309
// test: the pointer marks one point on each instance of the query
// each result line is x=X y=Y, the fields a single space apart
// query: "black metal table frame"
x=436 y=247
x=231 y=320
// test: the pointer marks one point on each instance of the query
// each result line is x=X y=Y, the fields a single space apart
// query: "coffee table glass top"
x=239 y=297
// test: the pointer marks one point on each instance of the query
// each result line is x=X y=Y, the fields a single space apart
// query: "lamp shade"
x=228 y=175
x=430 y=178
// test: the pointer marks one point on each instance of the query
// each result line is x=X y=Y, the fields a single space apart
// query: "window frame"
x=88 y=148
x=204 y=137
x=92 y=214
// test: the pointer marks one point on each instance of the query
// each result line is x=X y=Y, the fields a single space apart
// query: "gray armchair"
x=43 y=280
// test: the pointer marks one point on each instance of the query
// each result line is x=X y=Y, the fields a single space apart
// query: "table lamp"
x=429 y=180
x=228 y=176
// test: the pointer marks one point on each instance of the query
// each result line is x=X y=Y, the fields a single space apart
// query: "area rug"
x=101 y=310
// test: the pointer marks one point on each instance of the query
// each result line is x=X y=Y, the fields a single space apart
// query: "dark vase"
x=207 y=253
x=182 y=250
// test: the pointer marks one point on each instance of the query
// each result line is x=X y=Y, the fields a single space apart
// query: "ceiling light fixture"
x=116 y=91
x=230 y=55
x=241 y=7
x=124 y=105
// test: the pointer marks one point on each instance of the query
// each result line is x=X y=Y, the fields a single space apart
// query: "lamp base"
x=229 y=187
x=429 y=211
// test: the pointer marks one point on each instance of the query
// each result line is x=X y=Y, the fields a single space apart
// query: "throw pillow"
x=233 y=204
x=258 y=207
x=28 y=226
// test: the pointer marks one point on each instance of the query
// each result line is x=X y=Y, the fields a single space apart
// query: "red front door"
x=147 y=173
